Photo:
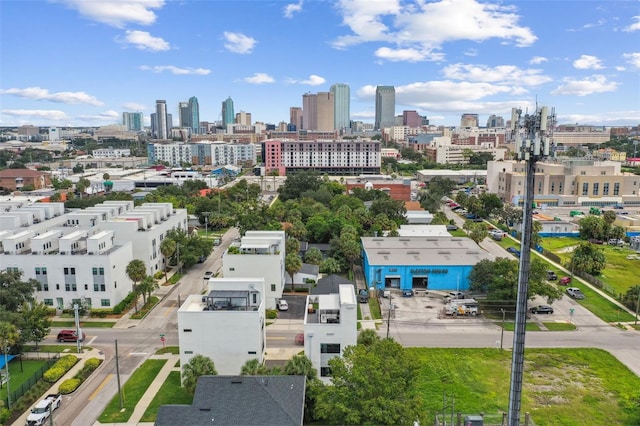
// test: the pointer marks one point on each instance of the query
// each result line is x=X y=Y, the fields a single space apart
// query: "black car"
x=363 y=296
x=541 y=309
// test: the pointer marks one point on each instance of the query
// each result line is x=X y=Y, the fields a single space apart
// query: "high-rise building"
x=295 y=117
x=325 y=111
x=243 y=118
x=194 y=113
x=342 y=102
x=133 y=121
x=469 y=120
x=495 y=121
x=162 y=122
x=385 y=107
x=184 y=116
x=227 y=112
x=413 y=119
x=310 y=111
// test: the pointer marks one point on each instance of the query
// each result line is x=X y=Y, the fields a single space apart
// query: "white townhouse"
x=227 y=324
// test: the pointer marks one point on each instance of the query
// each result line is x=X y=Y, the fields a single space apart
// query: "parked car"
x=208 y=275
x=551 y=276
x=70 y=336
x=514 y=251
x=565 y=280
x=616 y=242
x=299 y=339
x=496 y=234
x=541 y=309
x=575 y=293
x=452 y=228
x=282 y=305
x=595 y=241
x=201 y=259
x=363 y=296
x=407 y=293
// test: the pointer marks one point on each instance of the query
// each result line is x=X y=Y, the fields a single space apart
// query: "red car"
x=565 y=280
x=300 y=339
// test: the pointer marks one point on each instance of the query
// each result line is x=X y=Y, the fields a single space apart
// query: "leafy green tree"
x=14 y=293
x=313 y=256
x=197 y=366
x=299 y=183
x=34 y=323
x=630 y=298
x=147 y=286
x=167 y=248
x=593 y=227
x=292 y=264
x=291 y=245
x=330 y=266
x=536 y=239
x=617 y=232
x=300 y=365
x=368 y=337
x=349 y=248
x=82 y=185
x=393 y=209
x=440 y=218
x=253 y=367
x=478 y=232
x=490 y=204
x=609 y=216
x=374 y=384
x=588 y=258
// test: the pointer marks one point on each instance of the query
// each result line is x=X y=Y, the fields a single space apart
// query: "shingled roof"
x=240 y=400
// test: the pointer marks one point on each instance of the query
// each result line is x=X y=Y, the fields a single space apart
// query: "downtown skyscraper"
x=161 y=122
x=385 y=107
x=342 y=106
x=228 y=116
x=133 y=121
x=190 y=115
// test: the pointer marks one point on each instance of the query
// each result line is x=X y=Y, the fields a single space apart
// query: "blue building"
x=434 y=263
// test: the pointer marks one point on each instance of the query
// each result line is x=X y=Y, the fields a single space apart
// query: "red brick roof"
x=16 y=173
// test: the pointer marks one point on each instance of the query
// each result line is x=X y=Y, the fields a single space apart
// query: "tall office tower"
x=243 y=118
x=295 y=117
x=469 y=120
x=154 y=125
x=495 y=121
x=341 y=109
x=162 y=125
x=325 y=110
x=183 y=115
x=133 y=121
x=227 y=112
x=310 y=111
x=194 y=114
x=385 y=107
x=411 y=119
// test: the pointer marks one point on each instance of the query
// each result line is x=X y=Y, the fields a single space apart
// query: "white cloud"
x=41 y=94
x=611 y=118
x=538 y=60
x=584 y=87
x=117 y=13
x=145 y=41
x=259 y=78
x=426 y=26
x=238 y=42
x=634 y=26
x=292 y=8
x=501 y=74
x=313 y=80
x=133 y=106
x=588 y=62
x=408 y=55
x=471 y=52
x=633 y=59
x=47 y=114
x=175 y=70
x=108 y=116
x=363 y=115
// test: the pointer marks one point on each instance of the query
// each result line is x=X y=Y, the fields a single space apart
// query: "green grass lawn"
x=559 y=326
x=510 y=326
x=171 y=392
x=175 y=350
x=62 y=347
x=374 y=307
x=132 y=391
x=19 y=373
x=561 y=386
x=458 y=233
x=83 y=324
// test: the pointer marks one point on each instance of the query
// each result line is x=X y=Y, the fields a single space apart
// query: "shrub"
x=92 y=363
x=4 y=415
x=100 y=313
x=59 y=369
x=271 y=314
x=158 y=275
x=68 y=386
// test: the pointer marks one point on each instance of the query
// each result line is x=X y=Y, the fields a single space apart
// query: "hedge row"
x=125 y=303
x=60 y=368
x=70 y=385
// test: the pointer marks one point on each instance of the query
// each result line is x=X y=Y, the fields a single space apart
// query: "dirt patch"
x=569 y=249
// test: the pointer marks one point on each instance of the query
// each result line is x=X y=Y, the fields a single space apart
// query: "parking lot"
x=296 y=307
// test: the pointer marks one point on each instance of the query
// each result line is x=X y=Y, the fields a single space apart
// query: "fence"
x=490 y=419
x=24 y=387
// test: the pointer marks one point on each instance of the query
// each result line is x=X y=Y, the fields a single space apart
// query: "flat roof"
x=329 y=302
x=450 y=251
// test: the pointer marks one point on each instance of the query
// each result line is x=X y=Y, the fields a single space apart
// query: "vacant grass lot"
x=132 y=391
x=19 y=373
x=561 y=386
x=171 y=392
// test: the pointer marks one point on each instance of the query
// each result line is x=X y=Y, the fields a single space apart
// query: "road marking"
x=167 y=312
x=99 y=388
x=276 y=338
x=139 y=353
x=92 y=340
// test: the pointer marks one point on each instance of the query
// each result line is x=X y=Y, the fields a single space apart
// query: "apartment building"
x=209 y=153
x=330 y=325
x=572 y=182
x=259 y=254
x=175 y=154
x=227 y=324
x=111 y=153
x=460 y=154
x=83 y=255
x=350 y=157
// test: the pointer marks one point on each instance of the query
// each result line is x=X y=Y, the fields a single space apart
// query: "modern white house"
x=330 y=325
x=227 y=324
x=81 y=256
x=259 y=254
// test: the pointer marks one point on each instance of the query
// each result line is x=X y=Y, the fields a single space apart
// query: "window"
x=67 y=287
x=105 y=302
x=187 y=330
x=48 y=302
x=252 y=352
x=596 y=188
x=45 y=287
x=330 y=348
x=616 y=189
x=325 y=371
x=188 y=352
x=605 y=189
x=585 y=188
x=273 y=287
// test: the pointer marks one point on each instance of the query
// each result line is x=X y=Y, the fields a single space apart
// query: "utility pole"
x=389 y=316
x=118 y=377
x=502 y=331
x=78 y=330
x=637 y=306
x=532 y=134
x=206 y=224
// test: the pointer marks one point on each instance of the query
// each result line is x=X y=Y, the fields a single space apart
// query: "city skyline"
x=444 y=58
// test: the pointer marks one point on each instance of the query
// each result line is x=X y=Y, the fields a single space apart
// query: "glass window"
x=105 y=302
x=596 y=188
x=605 y=189
x=616 y=189
x=48 y=302
x=273 y=287
x=585 y=188
x=95 y=287
x=330 y=348
x=325 y=371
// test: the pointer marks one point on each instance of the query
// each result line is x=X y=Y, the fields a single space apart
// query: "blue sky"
x=84 y=62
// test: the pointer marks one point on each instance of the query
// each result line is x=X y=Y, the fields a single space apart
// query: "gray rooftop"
x=423 y=251
x=240 y=400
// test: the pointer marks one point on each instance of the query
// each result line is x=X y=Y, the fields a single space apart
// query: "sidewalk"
x=365 y=311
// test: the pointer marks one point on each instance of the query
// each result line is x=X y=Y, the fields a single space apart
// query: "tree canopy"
x=197 y=366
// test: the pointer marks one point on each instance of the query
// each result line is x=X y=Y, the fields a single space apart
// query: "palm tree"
x=300 y=365
x=147 y=285
x=197 y=366
x=253 y=368
x=136 y=271
x=167 y=248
